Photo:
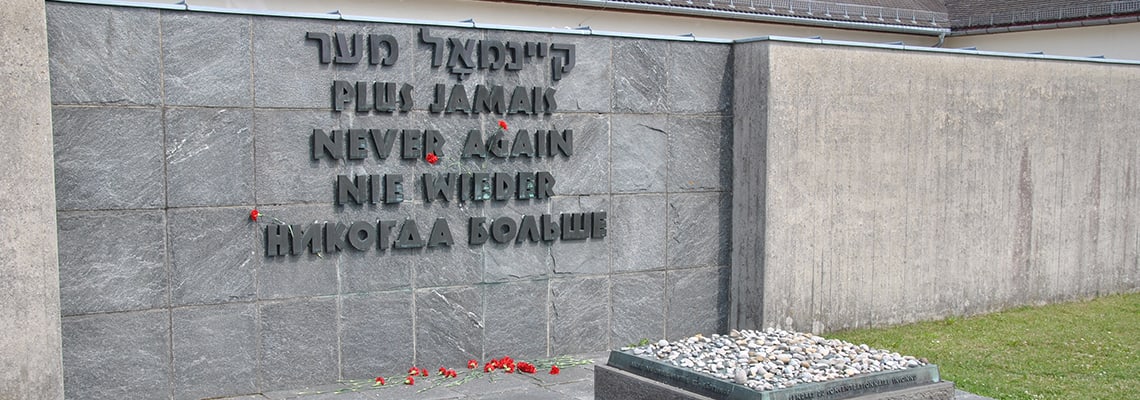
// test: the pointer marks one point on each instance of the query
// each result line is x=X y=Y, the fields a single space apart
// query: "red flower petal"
x=503 y=124
x=431 y=158
x=254 y=214
x=554 y=370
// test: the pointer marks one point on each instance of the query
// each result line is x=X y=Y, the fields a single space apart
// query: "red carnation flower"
x=380 y=380
x=527 y=367
x=410 y=381
x=554 y=370
x=423 y=372
x=503 y=124
x=471 y=364
x=450 y=373
x=431 y=158
x=254 y=214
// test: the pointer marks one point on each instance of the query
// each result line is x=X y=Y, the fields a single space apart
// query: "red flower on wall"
x=554 y=370
x=254 y=214
x=503 y=124
x=431 y=158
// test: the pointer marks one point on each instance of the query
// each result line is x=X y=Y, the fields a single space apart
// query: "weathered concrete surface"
x=30 y=363
x=905 y=186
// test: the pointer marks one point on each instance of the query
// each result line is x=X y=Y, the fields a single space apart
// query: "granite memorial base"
x=629 y=377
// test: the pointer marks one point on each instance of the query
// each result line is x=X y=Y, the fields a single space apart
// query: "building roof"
x=948 y=15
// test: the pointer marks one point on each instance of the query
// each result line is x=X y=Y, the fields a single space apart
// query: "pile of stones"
x=773 y=359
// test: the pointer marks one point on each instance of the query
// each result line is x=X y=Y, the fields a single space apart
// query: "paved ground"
x=573 y=383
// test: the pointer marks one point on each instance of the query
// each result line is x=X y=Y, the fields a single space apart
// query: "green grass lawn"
x=1085 y=350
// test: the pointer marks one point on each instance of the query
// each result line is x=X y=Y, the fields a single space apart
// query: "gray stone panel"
x=579 y=315
x=638 y=308
x=637 y=231
x=375 y=332
x=303 y=275
x=589 y=256
x=117 y=356
x=111 y=261
x=698 y=301
x=287 y=68
x=458 y=264
x=700 y=228
x=640 y=76
x=194 y=71
x=589 y=86
x=363 y=71
x=516 y=318
x=700 y=78
x=213 y=255
x=700 y=153
x=104 y=55
x=588 y=170
x=515 y=260
x=639 y=143
x=286 y=170
x=376 y=270
x=449 y=325
x=298 y=343
x=209 y=157
x=537 y=74
x=426 y=76
x=215 y=351
x=108 y=158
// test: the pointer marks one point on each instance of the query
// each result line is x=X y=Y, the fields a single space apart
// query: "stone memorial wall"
x=598 y=216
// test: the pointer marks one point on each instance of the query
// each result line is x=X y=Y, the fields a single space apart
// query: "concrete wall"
x=904 y=186
x=170 y=126
x=29 y=293
x=1111 y=41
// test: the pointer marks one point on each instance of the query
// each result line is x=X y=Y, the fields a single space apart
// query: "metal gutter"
x=781 y=19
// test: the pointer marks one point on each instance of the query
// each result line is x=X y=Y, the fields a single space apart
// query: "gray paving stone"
x=194 y=72
x=638 y=308
x=117 y=356
x=698 y=301
x=215 y=351
x=449 y=326
x=298 y=343
x=111 y=261
x=581 y=390
x=700 y=153
x=637 y=231
x=700 y=78
x=308 y=274
x=579 y=315
x=286 y=170
x=213 y=256
x=108 y=158
x=640 y=80
x=287 y=68
x=107 y=55
x=589 y=256
x=699 y=229
x=374 y=329
x=515 y=318
x=639 y=141
x=209 y=157
x=589 y=86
